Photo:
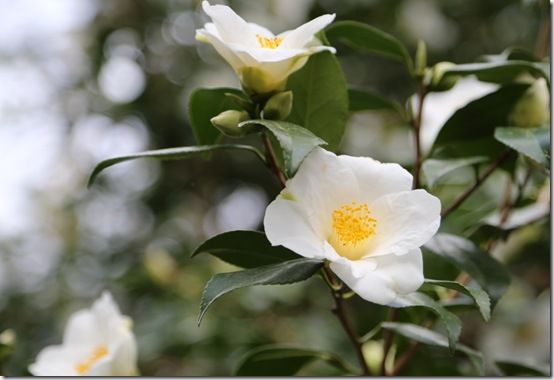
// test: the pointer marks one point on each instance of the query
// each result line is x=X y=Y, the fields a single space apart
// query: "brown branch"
x=388 y=339
x=340 y=311
x=543 y=36
x=466 y=194
x=272 y=160
x=416 y=124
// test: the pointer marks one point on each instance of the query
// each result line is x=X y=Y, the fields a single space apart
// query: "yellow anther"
x=269 y=42
x=352 y=228
x=98 y=353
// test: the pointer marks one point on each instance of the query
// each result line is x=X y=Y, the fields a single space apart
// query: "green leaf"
x=432 y=338
x=451 y=321
x=531 y=142
x=364 y=100
x=205 y=103
x=245 y=249
x=287 y=272
x=434 y=169
x=296 y=142
x=367 y=38
x=320 y=101
x=510 y=368
x=474 y=125
x=479 y=265
x=499 y=71
x=171 y=154
x=480 y=297
x=284 y=361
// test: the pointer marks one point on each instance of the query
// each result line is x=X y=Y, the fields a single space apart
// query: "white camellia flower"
x=262 y=60
x=360 y=215
x=97 y=342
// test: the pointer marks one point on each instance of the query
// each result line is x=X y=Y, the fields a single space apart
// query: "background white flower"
x=97 y=342
x=262 y=60
x=362 y=216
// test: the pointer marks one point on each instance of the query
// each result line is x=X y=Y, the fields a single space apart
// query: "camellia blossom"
x=97 y=342
x=262 y=60
x=362 y=216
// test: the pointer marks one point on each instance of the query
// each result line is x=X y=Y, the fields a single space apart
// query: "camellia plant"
x=366 y=229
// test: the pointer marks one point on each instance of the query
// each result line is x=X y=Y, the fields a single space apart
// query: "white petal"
x=82 y=329
x=261 y=30
x=102 y=367
x=57 y=361
x=223 y=49
x=304 y=34
x=405 y=221
x=232 y=28
x=321 y=185
x=376 y=179
x=370 y=287
x=392 y=276
x=124 y=361
x=285 y=224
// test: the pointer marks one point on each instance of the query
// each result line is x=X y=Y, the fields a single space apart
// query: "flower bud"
x=278 y=107
x=228 y=122
x=532 y=109
x=436 y=79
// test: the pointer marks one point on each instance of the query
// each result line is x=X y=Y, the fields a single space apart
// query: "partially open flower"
x=362 y=216
x=262 y=60
x=97 y=342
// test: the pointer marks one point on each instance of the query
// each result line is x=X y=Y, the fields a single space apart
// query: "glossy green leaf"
x=480 y=297
x=284 y=361
x=470 y=130
x=365 y=100
x=287 y=272
x=432 y=338
x=171 y=154
x=509 y=368
x=320 y=101
x=245 y=249
x=451 y=321
x=296 y=142
x=499 y=71
x=367 y=38
x=435 y=169
x=531 y=142
x=479 y=265
x=205 y=103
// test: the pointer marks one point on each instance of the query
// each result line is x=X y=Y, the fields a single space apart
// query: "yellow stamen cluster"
x=98 y=353
x=353 y=224
x=269 y=43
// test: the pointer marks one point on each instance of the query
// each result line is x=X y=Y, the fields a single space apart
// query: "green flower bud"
x=278 y=107
x=228 y=122
x=533 y=108
x=436 y=79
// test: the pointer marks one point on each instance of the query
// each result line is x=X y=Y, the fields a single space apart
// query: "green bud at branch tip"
x=228 y=122
x=279 y=106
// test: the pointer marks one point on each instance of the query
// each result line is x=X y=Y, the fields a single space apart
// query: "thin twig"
x=543 y=37
x=272 y=160
x=466 y=194
x=340 y=311
x=388 y=339
x=416 y=124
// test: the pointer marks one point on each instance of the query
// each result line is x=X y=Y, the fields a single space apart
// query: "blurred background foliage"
x=86 y=80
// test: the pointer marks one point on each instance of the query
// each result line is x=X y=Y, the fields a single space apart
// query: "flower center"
x=98 y=353
x=353 y=226
x=269 y=43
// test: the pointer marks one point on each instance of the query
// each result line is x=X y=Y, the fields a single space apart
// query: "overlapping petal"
x=261 y=68
x=88 y=330
x=386 y=262
x=390 y=278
